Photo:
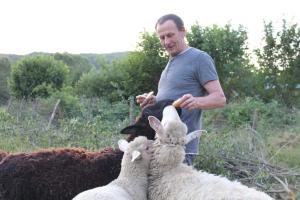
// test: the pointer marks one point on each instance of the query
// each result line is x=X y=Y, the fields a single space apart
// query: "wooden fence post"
x=131 y=110
x=53 y=114
x=9 y=104
x=19 y=114
x=253 y=130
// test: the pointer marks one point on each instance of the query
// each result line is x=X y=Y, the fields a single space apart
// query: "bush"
x=37 y=77
x=101 y=84
x=69 y=102
x=272 y=114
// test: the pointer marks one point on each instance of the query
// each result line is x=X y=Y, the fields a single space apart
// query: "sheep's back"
x=56 y=173
x=192 y=184
x=167 y=184
x=108 y=192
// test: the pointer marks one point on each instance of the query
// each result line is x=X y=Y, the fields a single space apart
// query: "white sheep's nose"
x=170 y=114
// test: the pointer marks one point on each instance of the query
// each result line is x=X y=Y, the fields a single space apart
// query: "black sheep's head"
x=141 y=126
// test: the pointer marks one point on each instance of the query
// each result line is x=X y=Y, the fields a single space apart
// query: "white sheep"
x=171 y=179
x=132 y=181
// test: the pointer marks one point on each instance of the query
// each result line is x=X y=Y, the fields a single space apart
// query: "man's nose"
x=167 y=41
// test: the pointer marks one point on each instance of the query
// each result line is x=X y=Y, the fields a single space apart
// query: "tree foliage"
x=77 y=65
x=275 y=77
x=279 y=61
x=142 y=68
x=134 y=74
x=228 y=48
x=37 y=76
x=4 y=74
x=103 y=83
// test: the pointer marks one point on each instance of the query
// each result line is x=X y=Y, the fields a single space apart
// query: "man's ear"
x=183 y=30
x=155 y=124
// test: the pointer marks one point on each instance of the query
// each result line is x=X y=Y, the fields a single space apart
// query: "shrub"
x=37 y=77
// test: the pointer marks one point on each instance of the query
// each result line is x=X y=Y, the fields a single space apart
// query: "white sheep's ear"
x=123 y=145
x=189 y=137
x=135 y=155
x=155 y=124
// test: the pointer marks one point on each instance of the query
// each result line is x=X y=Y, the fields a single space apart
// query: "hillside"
x=91 y=57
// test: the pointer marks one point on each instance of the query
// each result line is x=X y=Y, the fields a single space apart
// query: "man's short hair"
x=177 y=20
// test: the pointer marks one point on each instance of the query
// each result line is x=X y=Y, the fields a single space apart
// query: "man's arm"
x=214 y=99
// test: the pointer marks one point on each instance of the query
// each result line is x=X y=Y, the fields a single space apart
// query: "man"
x=190 y=76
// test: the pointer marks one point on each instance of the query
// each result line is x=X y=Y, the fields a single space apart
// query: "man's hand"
x=145 y=99
x=188 y=102
x=214 y=99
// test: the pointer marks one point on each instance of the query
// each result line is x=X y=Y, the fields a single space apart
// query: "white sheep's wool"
x=170 y=179
x=132 y=181
x=104 y=192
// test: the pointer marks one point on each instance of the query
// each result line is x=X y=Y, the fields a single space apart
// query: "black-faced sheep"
x=170 y=179
x=60 y=174
x=132 y=183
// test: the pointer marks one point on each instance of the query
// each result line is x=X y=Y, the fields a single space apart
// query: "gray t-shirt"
x=186 y=73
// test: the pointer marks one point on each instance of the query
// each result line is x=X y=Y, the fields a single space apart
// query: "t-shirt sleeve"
x=206 y=70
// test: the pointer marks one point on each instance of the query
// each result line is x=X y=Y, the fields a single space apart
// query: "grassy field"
x=254 y=142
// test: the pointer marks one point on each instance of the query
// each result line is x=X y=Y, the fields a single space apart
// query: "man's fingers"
x=141 y=98
x=144 y=98
x=186 y=101
x=149 y=95
x=177 y=103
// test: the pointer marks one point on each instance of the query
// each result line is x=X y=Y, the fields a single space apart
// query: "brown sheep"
x=56 y=173
x=62 y=173
x=3 y=154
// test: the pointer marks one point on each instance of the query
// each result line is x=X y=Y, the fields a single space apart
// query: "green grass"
x=285 y=147
x=25 y=130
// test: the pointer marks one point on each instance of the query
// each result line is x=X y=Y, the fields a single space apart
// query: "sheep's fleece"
x=170 y=179
x=132 y=182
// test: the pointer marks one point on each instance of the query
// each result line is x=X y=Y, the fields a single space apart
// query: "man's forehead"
x=167 y=26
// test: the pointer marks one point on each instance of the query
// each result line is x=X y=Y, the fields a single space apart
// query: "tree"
x=134 y=74
x=4 y=74
x=142 y=68
x=228 y=48
x=77 y=65
x=37 y=76
x=279 y=61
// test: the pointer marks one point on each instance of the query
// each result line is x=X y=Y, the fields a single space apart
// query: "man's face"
x=170 y=37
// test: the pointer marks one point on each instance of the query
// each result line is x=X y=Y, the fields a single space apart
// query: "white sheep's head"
x=171 y=130
x=138 y=149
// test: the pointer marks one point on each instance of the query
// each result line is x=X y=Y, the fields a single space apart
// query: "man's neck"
x=185 y=49
x=181 y=52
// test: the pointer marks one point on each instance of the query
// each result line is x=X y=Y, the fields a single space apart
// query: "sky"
x=106 y=26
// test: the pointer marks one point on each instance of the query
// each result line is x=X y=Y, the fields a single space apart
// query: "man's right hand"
x=145 y=99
